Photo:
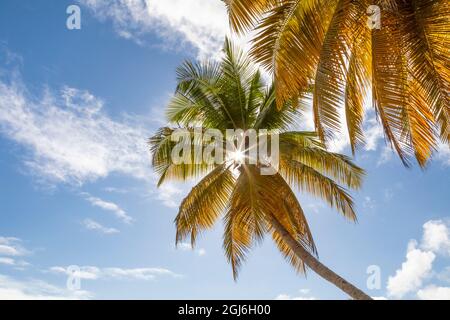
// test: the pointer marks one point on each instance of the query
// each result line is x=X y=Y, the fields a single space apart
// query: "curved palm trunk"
x=317 y=266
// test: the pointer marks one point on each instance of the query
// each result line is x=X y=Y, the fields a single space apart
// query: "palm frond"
x=337 y=166
x=358 y=84
x=236 y=82
x=328 y=43
x=429 y=55
x=244 y=222
x=255 y=199
x=329 y=84
x=162 y=146
x=245 y=13
x=204 y=204
x=288 y=44
x=271 y=117
x=309 y=180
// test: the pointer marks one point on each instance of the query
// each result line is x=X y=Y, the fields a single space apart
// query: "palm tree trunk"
x=316 y=265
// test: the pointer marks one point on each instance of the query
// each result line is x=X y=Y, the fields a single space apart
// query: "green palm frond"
x=271 y=117
x=161 y=147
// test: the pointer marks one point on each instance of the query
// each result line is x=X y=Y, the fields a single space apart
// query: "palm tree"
x=404 y=64
x=231 y=94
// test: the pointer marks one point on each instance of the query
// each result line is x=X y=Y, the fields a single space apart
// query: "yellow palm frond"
x=329 y=42
x=244 y=221
x=429 y=52
x=315 y=156
x=204 y=204
x=329 y=84
x=288 y=44
x=255 y=198
x=358 y=84
x=243 y=13
x=309 y=180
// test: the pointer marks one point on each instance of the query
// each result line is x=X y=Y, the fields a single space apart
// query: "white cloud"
x=184 y=246
x=436 y=237
x=70 y=138
x=443 y=153
x=303 y=295
x=316 y=207
x=379 y=298
x=116 y=190
x=10 y=246
x=18 y=264
x=418 y=266
x=414 y=270
x=10 y=252
x=12 y=289
x=110 y=206
x=200 y=24
x=93 y=273
x=94 y=225
x=7 y=261
x=169 y=194
x=385 y=156
x=434 y=293
x=373 y=133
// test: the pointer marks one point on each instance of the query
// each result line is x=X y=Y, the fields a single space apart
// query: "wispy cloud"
x=69 y=137
x=10 y=246
x=116 y=190
x=12 y=252
x=199 y=24
x=184 y=246
x=169 y=194
x=13 y=289
x=94 y=273
x=95 y=226
x=109 y=206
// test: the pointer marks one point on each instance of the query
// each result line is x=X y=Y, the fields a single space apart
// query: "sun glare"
x=237 y=156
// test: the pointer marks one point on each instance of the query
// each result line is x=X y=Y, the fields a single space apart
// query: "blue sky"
x=76 y=188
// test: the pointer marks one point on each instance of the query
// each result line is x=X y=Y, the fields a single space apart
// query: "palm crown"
x=231 y=94
x=403 y=64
